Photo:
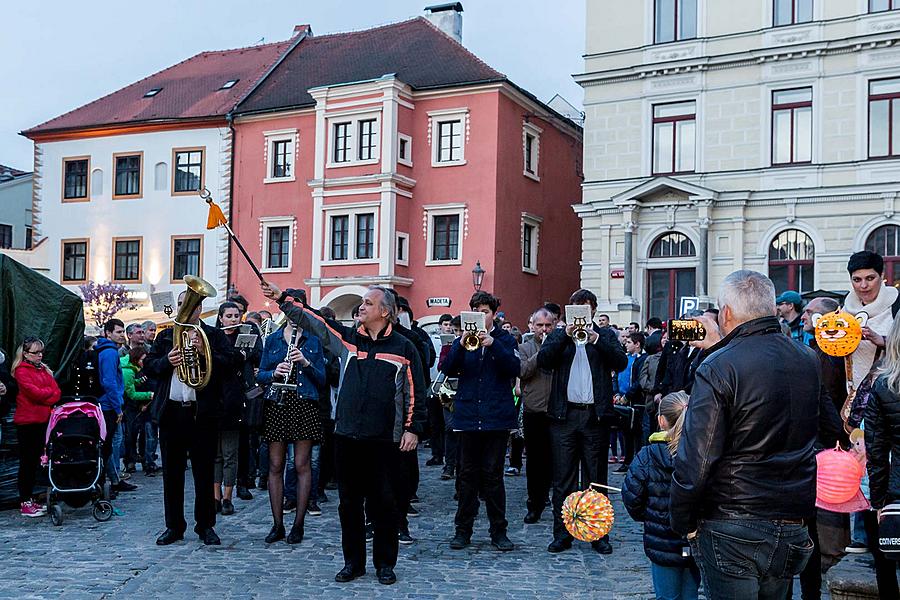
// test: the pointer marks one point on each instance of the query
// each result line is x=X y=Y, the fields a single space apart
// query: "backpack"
x=85 y=377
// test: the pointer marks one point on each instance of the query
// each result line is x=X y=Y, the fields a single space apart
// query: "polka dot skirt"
x=294 y=420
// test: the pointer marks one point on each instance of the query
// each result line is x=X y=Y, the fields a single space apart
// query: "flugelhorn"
x=580 y=332
x=470 y=339
x=195 y=369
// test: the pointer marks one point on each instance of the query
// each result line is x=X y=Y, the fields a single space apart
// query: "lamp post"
x=477 y=276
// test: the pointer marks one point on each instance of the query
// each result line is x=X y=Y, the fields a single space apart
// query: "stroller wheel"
x=56 y=514
x=106 y=490
x=103 y=511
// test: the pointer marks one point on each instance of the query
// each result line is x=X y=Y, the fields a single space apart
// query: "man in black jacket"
x=188 y=422
x=580 y=411
x=745 y=472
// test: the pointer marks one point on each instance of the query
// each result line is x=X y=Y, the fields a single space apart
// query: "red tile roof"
x=419 y=54
x=189 y=90
x=11 y=172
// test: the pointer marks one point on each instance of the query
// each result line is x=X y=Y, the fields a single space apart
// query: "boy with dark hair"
x=111 y=402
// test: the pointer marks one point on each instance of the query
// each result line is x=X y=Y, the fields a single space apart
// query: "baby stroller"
x=74 y=460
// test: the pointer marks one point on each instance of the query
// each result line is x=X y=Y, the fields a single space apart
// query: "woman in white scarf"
x=872 y=296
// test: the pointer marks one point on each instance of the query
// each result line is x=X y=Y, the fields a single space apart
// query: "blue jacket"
x=309 y=379
x=484 y=398
x=623 y=379
x=110 y=376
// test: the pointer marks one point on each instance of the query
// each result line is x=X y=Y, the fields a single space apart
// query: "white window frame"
x=280 y=135
x=351 y=211
x=442 y=210
x=407 y=160
x=436 y=117
x=533 y=221
x=267 y=223
x=528 y=129
x=355 y=136
x=405 y=260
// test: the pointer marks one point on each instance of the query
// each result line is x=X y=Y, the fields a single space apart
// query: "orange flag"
x=216 y=216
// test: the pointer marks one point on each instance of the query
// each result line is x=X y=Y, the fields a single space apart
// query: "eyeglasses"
x=41 y=352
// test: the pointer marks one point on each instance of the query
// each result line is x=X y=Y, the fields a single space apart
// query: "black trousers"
x=110 y=418
x=246 y=463
x=451 y=441
x=369 y=474
x=536 y=427
x=633 y=436
x=885 y=568
x=326 y=455
x=481 y=458
x=31 y=447
x=436 y=426
x=409 y=485
x=132 y=427
x=180 y=433
x=579 y=439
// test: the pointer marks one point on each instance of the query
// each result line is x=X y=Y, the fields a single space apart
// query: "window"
x=340 y=232
x=674 y=128
x=530 y=234
x=75 y=178
x=278 y=245
x=229 y=84
x=883 y=5
x=367 y=139
x=365 y=235
x=402 y=254
x=341 y=143
x=449 y=141
x=404 y=150
x=282 y=159
x=672 y=245
x=445 y=239
x=884 y=118
x=886 y=241
x=6 y=236
x=790 y=12
x=152 y=92
x=281 y=148
x=531 y=144
x=29 y=237
x=74 y=261
x=128 y=175
x=529 y=153
x=675 y=20
x=187 y=253
x=792 y=126
x=188 y=177
x=791 y=259
x=127 y=260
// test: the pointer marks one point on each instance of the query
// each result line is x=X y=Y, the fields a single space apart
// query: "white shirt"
x=180 y=392
x=581 y=385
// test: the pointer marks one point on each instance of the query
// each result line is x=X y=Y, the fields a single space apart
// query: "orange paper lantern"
x=588 y=515
x=838 y=333
x=838 y=476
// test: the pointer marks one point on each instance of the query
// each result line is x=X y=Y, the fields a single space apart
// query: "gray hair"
x=130 y=329
x=749 y=295
x=826 y=304
x=147 y=324
x=388 y=301
x=543 y=312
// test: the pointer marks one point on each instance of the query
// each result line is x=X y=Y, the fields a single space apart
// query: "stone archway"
x=343 y=306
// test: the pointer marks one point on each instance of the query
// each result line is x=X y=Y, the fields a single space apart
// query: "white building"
x=728 y=135
x=116 y=181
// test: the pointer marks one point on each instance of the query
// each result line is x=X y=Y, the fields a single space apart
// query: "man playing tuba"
x=188 y=418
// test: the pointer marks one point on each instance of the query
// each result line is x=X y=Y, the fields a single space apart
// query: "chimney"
x=302 y=29
x=447 y=17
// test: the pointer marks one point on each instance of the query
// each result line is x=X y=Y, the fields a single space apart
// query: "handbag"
x=889 y=531
x=857 y=399
x=624 y=417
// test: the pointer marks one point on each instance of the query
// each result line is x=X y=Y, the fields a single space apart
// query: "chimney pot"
x=447 y=17
x=301 y=29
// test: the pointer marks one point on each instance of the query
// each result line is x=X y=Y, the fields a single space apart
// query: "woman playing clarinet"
x=293 y=365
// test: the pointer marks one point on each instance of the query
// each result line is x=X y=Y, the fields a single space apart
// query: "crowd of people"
x=716 y=437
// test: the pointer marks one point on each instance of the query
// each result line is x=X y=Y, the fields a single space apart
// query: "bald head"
x=820 y=305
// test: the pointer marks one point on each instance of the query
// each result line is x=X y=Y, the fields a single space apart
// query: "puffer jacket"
x=882 y=426
x=38 y=391
x=646 y=497
x=748 y=444
x=129 y=373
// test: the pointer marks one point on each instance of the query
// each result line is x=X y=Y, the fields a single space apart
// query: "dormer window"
x=152 y=92
x=229 y=84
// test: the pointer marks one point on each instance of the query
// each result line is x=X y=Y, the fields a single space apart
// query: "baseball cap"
x=789 y=296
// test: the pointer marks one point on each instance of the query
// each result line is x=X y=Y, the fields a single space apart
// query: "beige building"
x=723 y=135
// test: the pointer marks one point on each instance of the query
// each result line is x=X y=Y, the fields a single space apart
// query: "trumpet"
x=470 y=339
x=195 y=369
x=580 y=333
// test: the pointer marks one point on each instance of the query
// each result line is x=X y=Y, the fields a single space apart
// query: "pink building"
x=394 y=156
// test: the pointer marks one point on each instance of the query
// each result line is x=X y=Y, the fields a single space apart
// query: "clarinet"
x=290 y=382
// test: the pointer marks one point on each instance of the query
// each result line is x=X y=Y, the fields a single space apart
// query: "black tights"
x=277 y=453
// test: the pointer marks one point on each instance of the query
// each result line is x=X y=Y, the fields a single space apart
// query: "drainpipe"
x=229 y=118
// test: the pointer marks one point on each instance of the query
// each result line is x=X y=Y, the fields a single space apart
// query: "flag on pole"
x=216 y=217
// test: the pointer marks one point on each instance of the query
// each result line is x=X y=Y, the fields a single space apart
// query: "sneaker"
x=612 y=460
x=32 y=509
x=130 y=468
x=411 y=512
x=124 y=476
x=313 y=509
x=623 y=468
x=370 y=532
x=448 y=473
x=124 y=486
x=512 y=471
x=856 y=548
x=414 y=499
x=404 y=538
x=227 y=507
x=323 y=497
x=290 y=505
x=434 y=461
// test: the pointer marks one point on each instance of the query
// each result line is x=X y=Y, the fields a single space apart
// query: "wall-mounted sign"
x=442 y=302
x=617 y=274
x=687 y=303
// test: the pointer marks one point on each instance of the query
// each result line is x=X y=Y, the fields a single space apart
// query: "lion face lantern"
x=838 y=333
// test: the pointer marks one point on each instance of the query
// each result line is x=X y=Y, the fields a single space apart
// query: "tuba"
x=470 y=339
x=580 y=331
x=196 y=365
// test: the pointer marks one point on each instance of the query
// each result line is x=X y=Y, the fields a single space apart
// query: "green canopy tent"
x=32 y=304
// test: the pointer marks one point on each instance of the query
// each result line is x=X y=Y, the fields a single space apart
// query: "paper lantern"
x=588 y=515
x=838 y=476
x=838 y=333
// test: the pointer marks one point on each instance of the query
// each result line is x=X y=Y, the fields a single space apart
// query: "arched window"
x=96 y=183
x=672 y=245
x=161 y=177
x=886 y=241
x=791 y=260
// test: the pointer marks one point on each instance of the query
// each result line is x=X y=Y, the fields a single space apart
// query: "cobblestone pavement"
x=119 y=559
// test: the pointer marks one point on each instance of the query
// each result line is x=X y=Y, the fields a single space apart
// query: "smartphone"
x=686 y=330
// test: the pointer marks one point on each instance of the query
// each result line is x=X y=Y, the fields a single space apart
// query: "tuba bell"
x=196 y=364
x=470 y=339
x=580 y=331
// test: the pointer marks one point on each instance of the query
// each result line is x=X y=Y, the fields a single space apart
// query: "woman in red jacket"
x=38 y=391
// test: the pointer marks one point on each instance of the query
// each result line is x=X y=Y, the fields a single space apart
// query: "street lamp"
x=477 y=276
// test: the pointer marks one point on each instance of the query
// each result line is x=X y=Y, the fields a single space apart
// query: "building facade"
x=15 y=209
x=721 y=136
x=356 y=167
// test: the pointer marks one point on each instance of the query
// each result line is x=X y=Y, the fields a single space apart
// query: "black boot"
x=276 y=534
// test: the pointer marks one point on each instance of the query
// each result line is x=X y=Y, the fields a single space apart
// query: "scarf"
x=881 y=319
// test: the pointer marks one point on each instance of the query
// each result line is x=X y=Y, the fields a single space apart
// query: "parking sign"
x=688 y=303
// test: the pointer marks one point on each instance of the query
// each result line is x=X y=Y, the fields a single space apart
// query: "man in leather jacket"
x=745 y=473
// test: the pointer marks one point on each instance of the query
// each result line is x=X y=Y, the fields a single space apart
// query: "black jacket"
x=605 y=356
x=748 y=444
x=236 y=382
x=882 y=422
x=225 y=360
x=646 y=497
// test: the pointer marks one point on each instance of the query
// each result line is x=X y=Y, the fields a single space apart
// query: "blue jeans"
x=112 y=465
x=750 y=558
x=151 y=443
x=675 y=583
